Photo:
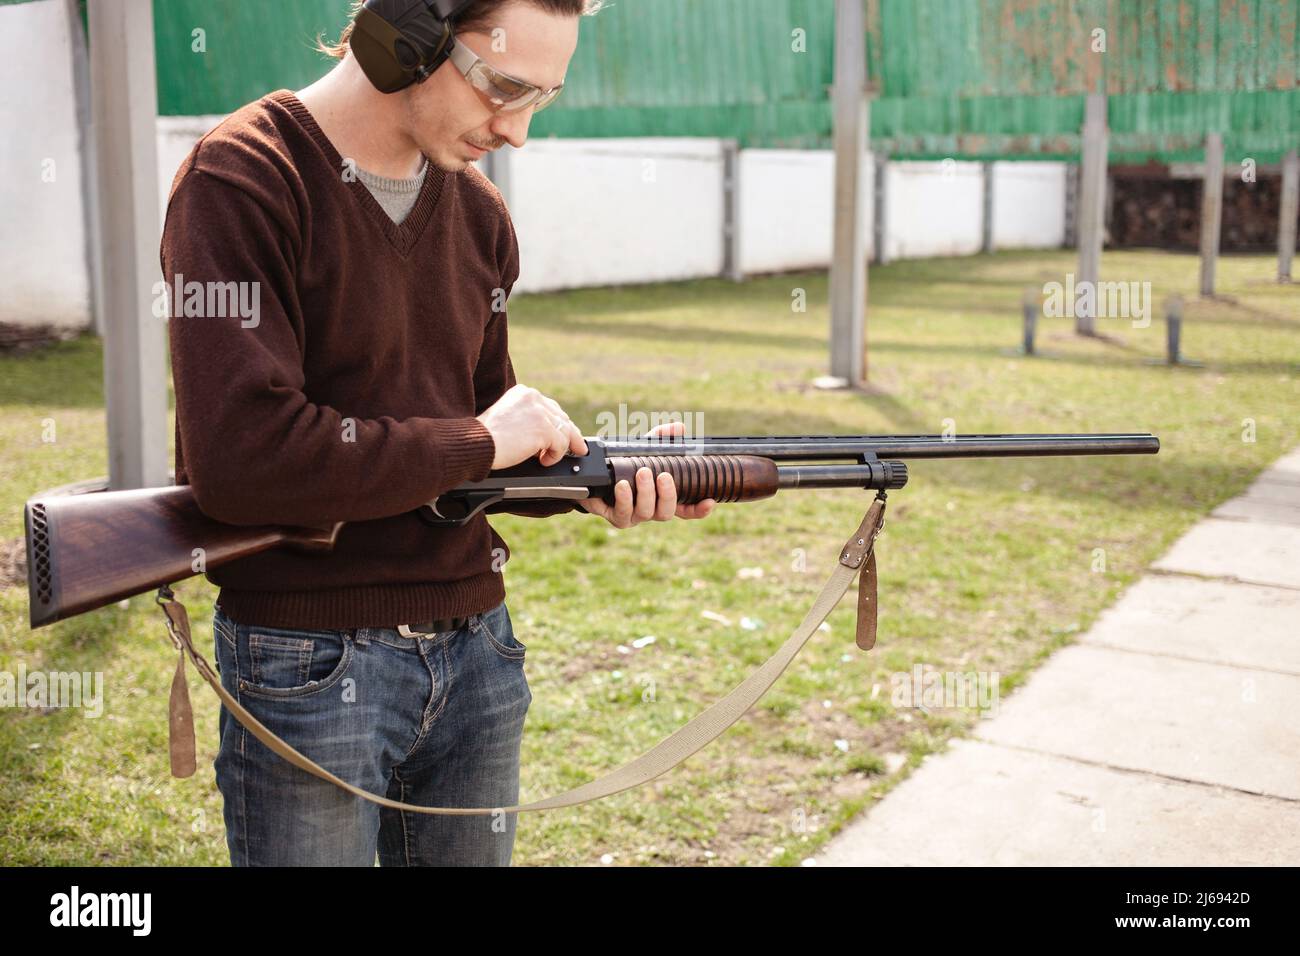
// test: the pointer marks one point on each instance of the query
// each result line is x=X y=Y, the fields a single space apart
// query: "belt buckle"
x=407 y=631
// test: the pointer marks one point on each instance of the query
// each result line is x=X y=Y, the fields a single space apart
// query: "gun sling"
x=857 y=554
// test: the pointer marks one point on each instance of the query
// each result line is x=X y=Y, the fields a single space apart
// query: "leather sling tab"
x=859 y=547
x=664 y=756
x=866 y=634
x=180 y=722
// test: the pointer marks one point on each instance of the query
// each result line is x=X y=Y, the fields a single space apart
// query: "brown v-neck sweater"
x=349 y=392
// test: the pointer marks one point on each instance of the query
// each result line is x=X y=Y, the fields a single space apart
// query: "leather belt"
x=432 y=627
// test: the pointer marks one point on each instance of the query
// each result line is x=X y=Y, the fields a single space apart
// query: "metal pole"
x=731 y=210
x=986 y=240
x=849 y=258
x=1031 y=310
x=879 y=207
x=1286 y=224
x=496 y=167
x=86 y=148
x=1071 y=205
x=124 y=94
x=1174 y=329
x=1211 y=210
x=1108 y=218
x=1092 y=201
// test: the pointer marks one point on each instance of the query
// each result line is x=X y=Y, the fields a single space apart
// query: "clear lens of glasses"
x=507 y=94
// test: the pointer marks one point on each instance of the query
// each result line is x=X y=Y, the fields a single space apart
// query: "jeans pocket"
x=223 y=627
x=285 y=662
x=500 y=633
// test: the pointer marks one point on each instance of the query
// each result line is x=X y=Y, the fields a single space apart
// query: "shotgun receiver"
x=87 y=550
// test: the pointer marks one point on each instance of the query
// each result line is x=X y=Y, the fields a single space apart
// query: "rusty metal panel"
x=1005 y=78
x=1045 y=47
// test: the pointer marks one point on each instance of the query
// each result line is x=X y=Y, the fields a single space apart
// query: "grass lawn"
x=985 y=566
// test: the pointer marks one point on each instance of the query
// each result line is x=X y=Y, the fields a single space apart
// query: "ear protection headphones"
x=400 y=42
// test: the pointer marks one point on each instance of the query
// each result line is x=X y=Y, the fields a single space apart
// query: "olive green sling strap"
x=858 y=553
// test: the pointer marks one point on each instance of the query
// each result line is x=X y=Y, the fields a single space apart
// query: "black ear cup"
x=407 y=56
x=399 y=42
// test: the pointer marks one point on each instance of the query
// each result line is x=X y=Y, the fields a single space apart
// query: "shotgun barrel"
x=827 y=447
x=743 y=468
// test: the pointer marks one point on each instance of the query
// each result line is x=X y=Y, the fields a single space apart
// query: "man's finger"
x=666 y=498
x=558 y=413
x=668 y=428
x=645 y=494
x=596 y=506
x=561 y=438
x=553 y=451
x=701 y=509
x=622 y=504
x=577 y=444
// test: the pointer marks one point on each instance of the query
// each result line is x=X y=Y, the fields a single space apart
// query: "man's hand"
x=656 y=498
x=524 y=423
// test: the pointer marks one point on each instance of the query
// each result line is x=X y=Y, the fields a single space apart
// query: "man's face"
x=448 y=118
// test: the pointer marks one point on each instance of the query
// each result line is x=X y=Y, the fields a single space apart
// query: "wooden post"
x=849 y=258
x=125 y=98
x=1174 y=330
x=986 y=240
x=731 y=211
x=1211 y=210
x=1092 y=202
x=1286 y=224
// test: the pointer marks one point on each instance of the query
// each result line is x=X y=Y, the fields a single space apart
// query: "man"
x=371 y=374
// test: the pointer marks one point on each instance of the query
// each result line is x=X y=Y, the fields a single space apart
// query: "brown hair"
x=475 y=18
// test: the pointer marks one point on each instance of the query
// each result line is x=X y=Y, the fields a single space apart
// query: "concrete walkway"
x=1168 y=736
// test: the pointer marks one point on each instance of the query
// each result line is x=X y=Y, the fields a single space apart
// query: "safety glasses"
x=502 y=92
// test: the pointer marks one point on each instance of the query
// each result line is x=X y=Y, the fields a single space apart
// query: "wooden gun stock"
x=85 y=551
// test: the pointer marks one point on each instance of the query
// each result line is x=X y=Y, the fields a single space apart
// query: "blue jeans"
x=434 y=720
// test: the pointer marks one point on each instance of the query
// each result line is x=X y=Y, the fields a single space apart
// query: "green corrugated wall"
x=252 y=47
x=985 y=78
x=974 y=78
